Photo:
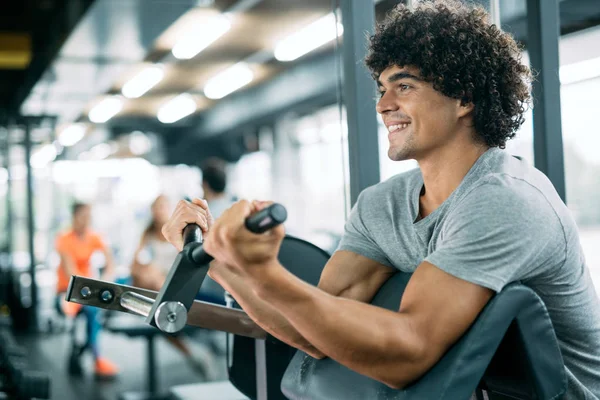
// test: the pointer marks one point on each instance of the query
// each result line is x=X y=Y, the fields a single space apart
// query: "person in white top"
x=154 y=255
x=151 y=263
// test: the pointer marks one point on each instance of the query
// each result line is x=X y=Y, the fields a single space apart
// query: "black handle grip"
x=259 y=222
x=266 y=218
x=192 y=234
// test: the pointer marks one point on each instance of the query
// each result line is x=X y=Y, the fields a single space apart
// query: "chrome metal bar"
x=136 y=303
x=107 y=295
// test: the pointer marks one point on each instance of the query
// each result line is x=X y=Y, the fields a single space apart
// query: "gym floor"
x=49 y=353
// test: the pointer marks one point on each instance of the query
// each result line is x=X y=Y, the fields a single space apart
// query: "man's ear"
x=464 y=108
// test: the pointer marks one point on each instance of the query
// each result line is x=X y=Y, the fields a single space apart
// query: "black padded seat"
x=510 y=350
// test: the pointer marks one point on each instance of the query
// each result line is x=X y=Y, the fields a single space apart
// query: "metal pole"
x=542 y=44
x=151 y=367
x=30 y=226
x=8 y=227
x=358 y=17
x=495 y=12
x=141 y=305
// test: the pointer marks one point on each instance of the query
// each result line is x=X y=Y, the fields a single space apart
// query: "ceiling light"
x=42 y=156
x=105 y=110
x=580 y=71
x=142 y=82
x=100 y=151
x=177 y=108
x=202 y=35
x=228 y=81
x=308 y=38
x=71 y=134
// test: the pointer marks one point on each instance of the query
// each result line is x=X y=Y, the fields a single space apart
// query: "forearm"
x=264 y=314
x=372 y=341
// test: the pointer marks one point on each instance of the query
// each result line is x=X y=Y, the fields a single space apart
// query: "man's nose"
x=386 y=103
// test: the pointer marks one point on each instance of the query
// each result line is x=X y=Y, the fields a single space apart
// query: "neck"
x=79 y=232
x=444 y=170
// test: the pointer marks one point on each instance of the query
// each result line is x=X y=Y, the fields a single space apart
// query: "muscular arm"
x=393 y=347
x=346 y=274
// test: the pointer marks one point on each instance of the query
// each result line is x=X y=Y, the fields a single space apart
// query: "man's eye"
x=403 y=86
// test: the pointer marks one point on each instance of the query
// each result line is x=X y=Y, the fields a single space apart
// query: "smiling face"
x=419 y=119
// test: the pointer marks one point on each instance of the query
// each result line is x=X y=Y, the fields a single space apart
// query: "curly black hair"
x=464 y=56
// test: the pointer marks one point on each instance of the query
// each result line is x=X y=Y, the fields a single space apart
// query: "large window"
x=306 y=170
x=581 y=136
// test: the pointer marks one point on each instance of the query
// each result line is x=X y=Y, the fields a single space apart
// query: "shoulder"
x=504 y=201
x=64 y=236
x=95 y=239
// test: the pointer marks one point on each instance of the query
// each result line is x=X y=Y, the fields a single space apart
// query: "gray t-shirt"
x=504 y=223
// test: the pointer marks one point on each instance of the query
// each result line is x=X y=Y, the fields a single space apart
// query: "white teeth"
x=393 y=128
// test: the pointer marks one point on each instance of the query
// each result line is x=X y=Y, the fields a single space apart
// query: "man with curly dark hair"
x=470 y=220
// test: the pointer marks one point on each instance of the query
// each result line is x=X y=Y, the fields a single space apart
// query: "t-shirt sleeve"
x=498 y=235
x=357 y=237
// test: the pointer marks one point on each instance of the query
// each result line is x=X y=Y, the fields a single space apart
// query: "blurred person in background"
x=214 y=186
x=151 y=264
x=76 y=247
x=154 y=257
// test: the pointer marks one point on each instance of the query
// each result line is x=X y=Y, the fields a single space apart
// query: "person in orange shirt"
x=75 y=248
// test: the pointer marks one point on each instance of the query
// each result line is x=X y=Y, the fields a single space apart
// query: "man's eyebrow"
x=400 y=75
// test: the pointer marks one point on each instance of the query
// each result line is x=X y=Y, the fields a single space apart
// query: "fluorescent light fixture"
x=105 y=110
x=142 y=82
x=308 y=38
x=84 y=156
x=176 y=108
x=100 y=151
x=202 y=35
x=580 y=71
x=228 y=81
x=71 y=134
x=42 y=156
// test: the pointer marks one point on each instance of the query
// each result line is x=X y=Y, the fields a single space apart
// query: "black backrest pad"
x=458 y=373
x=306 y=261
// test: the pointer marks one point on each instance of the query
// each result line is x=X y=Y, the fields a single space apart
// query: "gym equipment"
x=17 y=380
x=510 y=352
x=174 y=306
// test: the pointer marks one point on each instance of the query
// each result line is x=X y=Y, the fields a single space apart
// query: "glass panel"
x=580 y=103
x=306 y=170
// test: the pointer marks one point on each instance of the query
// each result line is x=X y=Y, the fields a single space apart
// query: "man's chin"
x=396 y=155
